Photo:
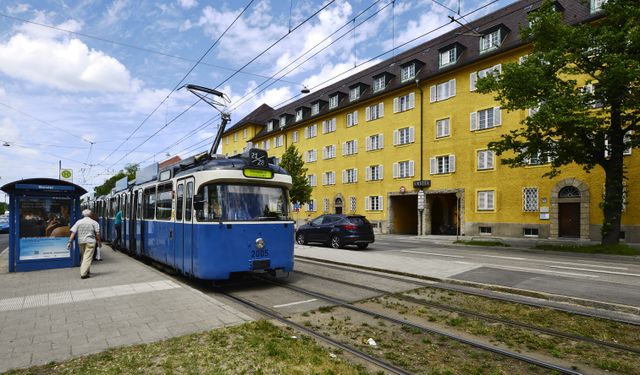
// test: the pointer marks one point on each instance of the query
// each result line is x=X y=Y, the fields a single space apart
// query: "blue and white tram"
x=209 y=219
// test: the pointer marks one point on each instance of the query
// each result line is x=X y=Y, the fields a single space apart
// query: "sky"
x=95 y=85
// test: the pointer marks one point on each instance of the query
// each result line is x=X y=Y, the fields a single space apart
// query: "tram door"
x=183 y=228
x=131 y=240
x=139 y=225
x=124 y=232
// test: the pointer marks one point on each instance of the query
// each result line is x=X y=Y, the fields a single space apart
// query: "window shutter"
x=344 y=148
x=489 y=159
x=381 y=172
x=367 y=173
x=473 y=121
x=411 y=167
x=396 y=105
x=473 y=79
x=497 y=118
x=395 y=170
x=349 y=119
x=480 y=156
x=355 y=146
x=452 y=163
x=432 y=96
x=344 y=176
x=367 y=204
x=606 y=148
x=381 y=140
x=433 y=168
x=355 y=174
x=498 y=68
x=490 y=200
x=333 y=123
x=324 y=179
x=395 y=137
x=452 y=88
x=412 y=100
x=368 y=143
x=411 y=134
x=381 y=202
x=481 y=200
x=355 y=117
x=380 y=110
x=367 y=112
x=306 y=132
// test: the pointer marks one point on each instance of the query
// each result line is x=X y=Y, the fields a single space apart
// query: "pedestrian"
x=118 y=224
x=87 y=231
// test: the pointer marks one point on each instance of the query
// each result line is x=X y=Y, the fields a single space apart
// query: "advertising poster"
x=44 y=227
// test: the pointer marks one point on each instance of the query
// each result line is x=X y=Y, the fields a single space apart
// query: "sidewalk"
x=53 y=315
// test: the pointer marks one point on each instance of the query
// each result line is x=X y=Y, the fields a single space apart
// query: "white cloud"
x=10 y=132
x=187 y=4
x=18 y=8
x=115 y=12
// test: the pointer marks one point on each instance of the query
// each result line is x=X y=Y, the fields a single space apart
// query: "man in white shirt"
x=88 y=232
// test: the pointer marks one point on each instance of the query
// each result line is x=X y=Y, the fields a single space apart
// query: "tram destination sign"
x=422 y=184
x=257 y=173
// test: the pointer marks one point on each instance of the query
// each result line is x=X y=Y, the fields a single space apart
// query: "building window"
x=374 y=173
x=350 y=176
x=403 y=136
x=443 y=128
x=312 y=180
x=375 y=142
x=443 y=164
x=266 y=144
x=485 y=160
x=325 y=205
x=530 y=232
x=539 y=158
x=473 y=77
x=278 y=141
x=485 y=119
x=294 y=136
x=311 y=206
x=270 y=126
x=299 y=114
x=443 y=91
x=226 y=140
x=315 y=108
x=333 y=101
x=486 y=231
x=373 y=203
x=486 y=200
x=350 y=147
x=379 y=84
x=447 y=57
x=352 y=204
x=235 y=137
x=404 y=103
x=530 y=199
x=329 y=126
x=408 y=72
x=311 y=131
x=283 y=121
x=329 y=152
x=352 y=119
x=596 y=5
x=244 y=134
x=329 y=178
x=311 y=156
x=403 y=169
x=374 y=112
x=354 y=93
x=490 y=41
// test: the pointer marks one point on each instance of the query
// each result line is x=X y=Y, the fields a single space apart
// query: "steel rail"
x=439 y=284
x=422 y=302
x=479 y=345
x=360 y=354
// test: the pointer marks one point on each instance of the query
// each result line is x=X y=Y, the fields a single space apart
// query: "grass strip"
x=619 y=249
x=483 y=243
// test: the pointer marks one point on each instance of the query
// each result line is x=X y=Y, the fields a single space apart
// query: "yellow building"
x=376 y=141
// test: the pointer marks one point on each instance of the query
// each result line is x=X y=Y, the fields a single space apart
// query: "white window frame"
x=350 y=147
x=329 y=178
x=352 y=119
x=485 y=200
x=404 y=102
x=312 y=179
x=403 y=169
x=312 y=156
x=596 y=5
x=350 y=176
x=374 y=203
x=408 y=72
x=473 y=77
x=299 y=114
x=311 y=131
x=354 y=93
x=267 y=144
x=294 y=136
x=485 y=160
x=404 y=136
x=279 y=141
x=244 y=133
x=530 y=199
x=487 y=118
x=374 y=173
x=490 y=41
x=375 y=142
x=315 y=108
x=374 y=112
x=329 y=126
x=283 y=121
x=325 y=205
x=333 y=101
x=353 y=203
x=311 y=205
x=329 y=152
x=379 y=83
x=235 y=137
x=447 y=57
x=442 y=164
x=443 y=127
x=442 y=91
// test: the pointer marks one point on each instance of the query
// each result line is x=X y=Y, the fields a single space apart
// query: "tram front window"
x=242 y=203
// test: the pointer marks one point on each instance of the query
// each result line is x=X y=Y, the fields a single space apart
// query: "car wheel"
x=300 y=239
x=336 y=243
x=362 y=246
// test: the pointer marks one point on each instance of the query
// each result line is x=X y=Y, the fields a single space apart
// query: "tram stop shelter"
x=41 y=213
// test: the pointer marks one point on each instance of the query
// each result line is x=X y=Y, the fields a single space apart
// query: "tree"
x=292 y=161
x=582 y=83
x=129 y=171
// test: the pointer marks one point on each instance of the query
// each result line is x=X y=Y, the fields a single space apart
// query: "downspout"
x=421 y=150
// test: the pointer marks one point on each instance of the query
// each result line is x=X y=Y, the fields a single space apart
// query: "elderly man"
x=88 y=232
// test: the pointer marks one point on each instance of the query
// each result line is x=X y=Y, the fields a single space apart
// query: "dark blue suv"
x=337 y=231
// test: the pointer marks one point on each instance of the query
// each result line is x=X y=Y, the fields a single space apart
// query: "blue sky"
x=77 y=78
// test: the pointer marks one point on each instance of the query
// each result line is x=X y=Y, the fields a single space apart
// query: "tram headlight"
x=259 y=243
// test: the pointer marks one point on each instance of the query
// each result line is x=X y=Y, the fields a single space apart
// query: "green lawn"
x=620 y=249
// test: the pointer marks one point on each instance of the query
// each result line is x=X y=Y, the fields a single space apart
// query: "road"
x=592 y=277
x=4 y=241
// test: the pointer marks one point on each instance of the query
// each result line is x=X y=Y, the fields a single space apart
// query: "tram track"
x=440 y=285
x=441 y=333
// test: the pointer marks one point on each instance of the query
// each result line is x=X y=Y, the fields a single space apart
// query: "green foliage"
x=293 y=163
x=572 y=124
x=129 y=171
x=3 y=207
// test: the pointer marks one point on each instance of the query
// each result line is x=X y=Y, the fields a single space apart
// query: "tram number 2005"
x=262 y=253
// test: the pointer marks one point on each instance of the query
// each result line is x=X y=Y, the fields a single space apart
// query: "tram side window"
x=139 y=205
x=114 y=207
x=179 y=201
x=189 y=202
x=149 y=198
x=163 y=205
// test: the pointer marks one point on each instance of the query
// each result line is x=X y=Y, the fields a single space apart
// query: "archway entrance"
x=443 y=214
x=569 y=212
x=337 y=204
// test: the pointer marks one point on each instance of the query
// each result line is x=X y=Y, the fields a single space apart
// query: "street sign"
x=421 y=200
x=66 y=174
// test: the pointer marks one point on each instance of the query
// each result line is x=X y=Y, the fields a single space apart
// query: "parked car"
x=4 y=225
x=337 y=231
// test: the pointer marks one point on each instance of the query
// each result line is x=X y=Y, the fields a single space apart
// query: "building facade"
x=405 y=143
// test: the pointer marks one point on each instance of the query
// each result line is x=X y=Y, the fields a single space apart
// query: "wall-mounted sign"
x=403 y=190
x=422 y=184
x=544 y=216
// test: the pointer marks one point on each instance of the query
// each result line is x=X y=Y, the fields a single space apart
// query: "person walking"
x=87 y=231
x=118 y=223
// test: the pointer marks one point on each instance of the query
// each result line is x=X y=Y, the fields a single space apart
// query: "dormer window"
x=408 y=72
x=333 y=101
x=448 y=57
x=315 y=108
x=354 y=93
x=283 y=121
x=299 y=114
x=379 y=83
x=596 y=5
x=490 y=41
x=271 y=125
